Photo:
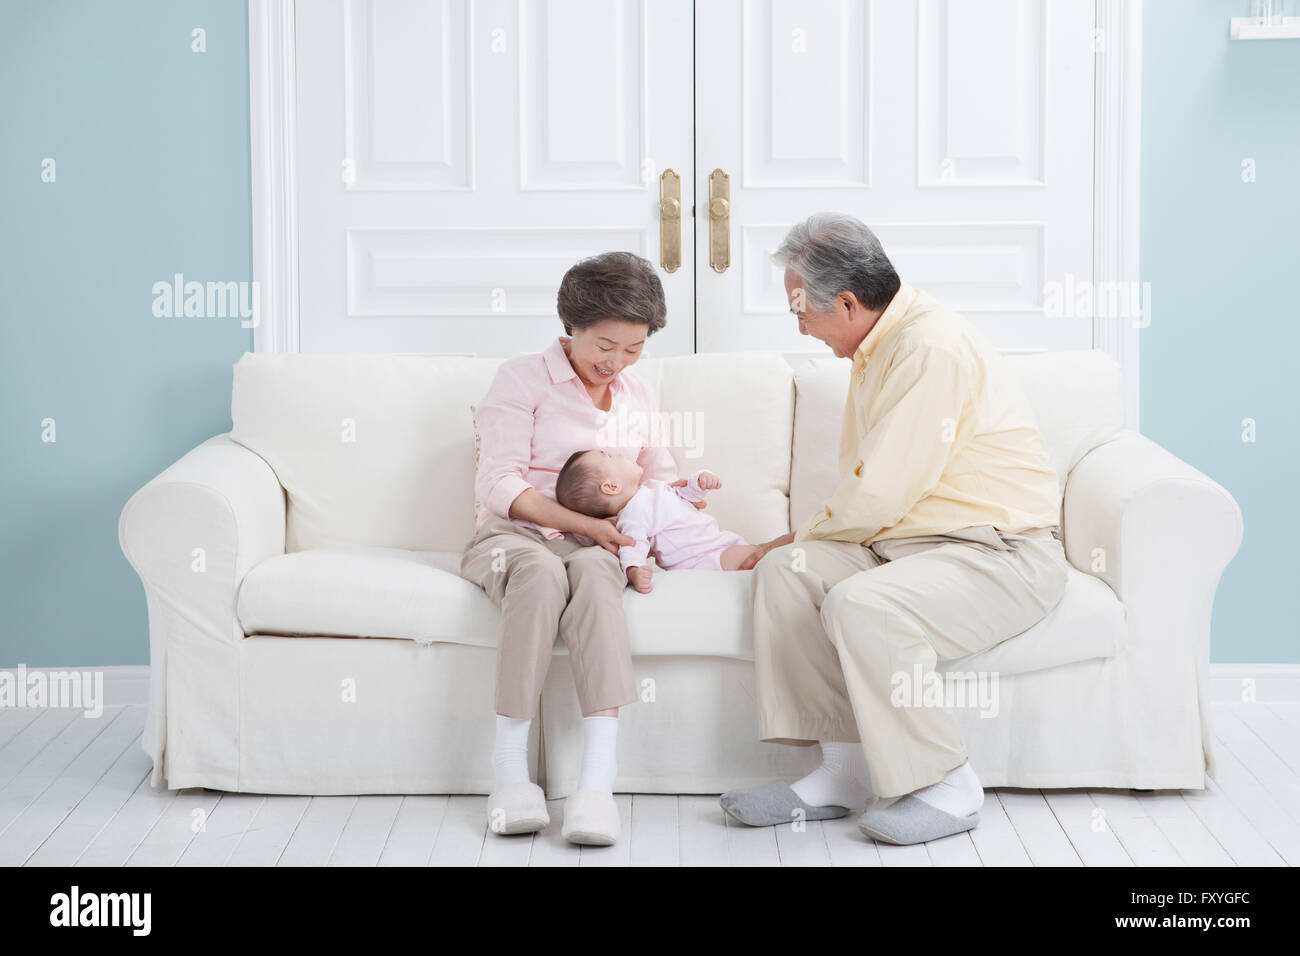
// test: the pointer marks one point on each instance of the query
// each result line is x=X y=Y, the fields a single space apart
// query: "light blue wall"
x=151 y=146
x=1223 y=260
x=151 y=142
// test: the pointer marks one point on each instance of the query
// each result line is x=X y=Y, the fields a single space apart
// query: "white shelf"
x=1250 y=28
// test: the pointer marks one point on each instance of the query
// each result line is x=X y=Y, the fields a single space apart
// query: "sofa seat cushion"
x=420 y=596
x=1089 y=622
x=367 y=592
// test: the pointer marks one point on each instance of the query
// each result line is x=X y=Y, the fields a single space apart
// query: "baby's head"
x=597 y=483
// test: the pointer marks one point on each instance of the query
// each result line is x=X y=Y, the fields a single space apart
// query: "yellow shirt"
x=937 y=435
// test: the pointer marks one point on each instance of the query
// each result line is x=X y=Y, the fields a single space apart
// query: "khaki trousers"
x=544 y=586
x=838 y=626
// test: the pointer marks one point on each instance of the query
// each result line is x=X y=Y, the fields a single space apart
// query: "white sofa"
x=310 y=633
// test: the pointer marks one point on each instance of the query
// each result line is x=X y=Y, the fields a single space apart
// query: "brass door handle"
x=670 y=221
x=719 y=220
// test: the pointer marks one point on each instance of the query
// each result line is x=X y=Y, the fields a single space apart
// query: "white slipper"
x=518 y=808
x=591 y=817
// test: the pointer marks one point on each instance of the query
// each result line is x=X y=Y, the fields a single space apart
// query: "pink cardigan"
x=537 y=413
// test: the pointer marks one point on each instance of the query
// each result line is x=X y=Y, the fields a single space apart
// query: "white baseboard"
x=1270 y=682
x=129 y=684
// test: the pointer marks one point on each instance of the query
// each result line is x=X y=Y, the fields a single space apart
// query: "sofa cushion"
x=740 y=410
x=367 y=592
x=1076 y=398
x=420 y=596
x=378 y=450
x=372 y=450
x=1089 y=622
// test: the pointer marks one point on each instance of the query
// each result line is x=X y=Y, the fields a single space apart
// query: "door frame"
x=1117 y=126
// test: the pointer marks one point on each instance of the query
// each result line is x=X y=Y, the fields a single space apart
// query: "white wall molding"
x=1269 y=682
x=273 y=121
x=1117 y=180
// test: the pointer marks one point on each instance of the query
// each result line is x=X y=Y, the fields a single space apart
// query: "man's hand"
x=639 y=578
x=762 y=549
x=708 y=481
x=606 y=534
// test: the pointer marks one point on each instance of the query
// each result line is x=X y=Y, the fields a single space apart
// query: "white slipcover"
x=309 y=632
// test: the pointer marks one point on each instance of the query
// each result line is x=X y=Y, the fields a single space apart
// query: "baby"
x=661 y=517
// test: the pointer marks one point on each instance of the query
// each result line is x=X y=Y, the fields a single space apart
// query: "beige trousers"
x=839 y=627
x=544 y=586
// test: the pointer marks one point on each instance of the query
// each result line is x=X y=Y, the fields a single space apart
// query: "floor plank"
x=1037 y=828
x=463 y=832
x=1085 y=826
x=122 y=833
x=173 y=832
x=1250 y=795
x=366 y=833
x=995 y=838
x=751 y=846
x=415 y=830
x=1189 y=836
x=223 y=830
x=802 y=844
x=849 y=846
x=551 y=849
x=1144 y=842
x=956 y=850
x=46 y=811
x=702 y=831
x=619 y=853
x=318 y=831
x=270 y=830
x=653 y=838
x=106 y=799
x=1233 y=831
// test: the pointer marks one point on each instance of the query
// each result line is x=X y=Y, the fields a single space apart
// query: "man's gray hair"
x=835 y=253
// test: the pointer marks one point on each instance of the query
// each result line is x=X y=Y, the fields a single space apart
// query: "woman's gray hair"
x=835 y=253
x=612 y=285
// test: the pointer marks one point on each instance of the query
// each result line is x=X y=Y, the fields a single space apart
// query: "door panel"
x=455 y=158
x=960 y=132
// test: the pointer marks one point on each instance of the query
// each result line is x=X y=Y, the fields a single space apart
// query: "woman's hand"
x=762 y=549
x=703 y=478
x=606 y=534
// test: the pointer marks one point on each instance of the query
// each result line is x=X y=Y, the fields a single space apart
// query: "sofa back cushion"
x=378 y=450
x=1076 y=397
x=373 y=450
x=740 y=410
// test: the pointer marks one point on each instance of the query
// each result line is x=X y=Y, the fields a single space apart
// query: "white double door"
x=455 y=157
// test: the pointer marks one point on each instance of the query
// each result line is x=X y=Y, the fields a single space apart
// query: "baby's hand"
x=639 y=578
x=682 y=482
x=710 y=482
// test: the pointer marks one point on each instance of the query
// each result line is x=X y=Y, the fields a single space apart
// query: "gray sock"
x=773 y=804
x=909 y=820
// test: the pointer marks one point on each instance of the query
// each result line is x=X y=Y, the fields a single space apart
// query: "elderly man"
x=940 y=540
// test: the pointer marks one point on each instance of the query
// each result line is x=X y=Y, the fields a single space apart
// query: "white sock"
x=959 y=793
x=840 y=781
x=600 y=738
x=510 y=754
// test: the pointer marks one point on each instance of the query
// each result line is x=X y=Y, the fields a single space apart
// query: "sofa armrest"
x=196 y=529
x=1160 y=533
x=1147 y=523
x=192 y=533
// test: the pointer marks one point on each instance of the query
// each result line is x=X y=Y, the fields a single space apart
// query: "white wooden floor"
x=76 y=792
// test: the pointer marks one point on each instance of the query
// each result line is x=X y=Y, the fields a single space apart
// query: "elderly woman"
x=548 y=568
